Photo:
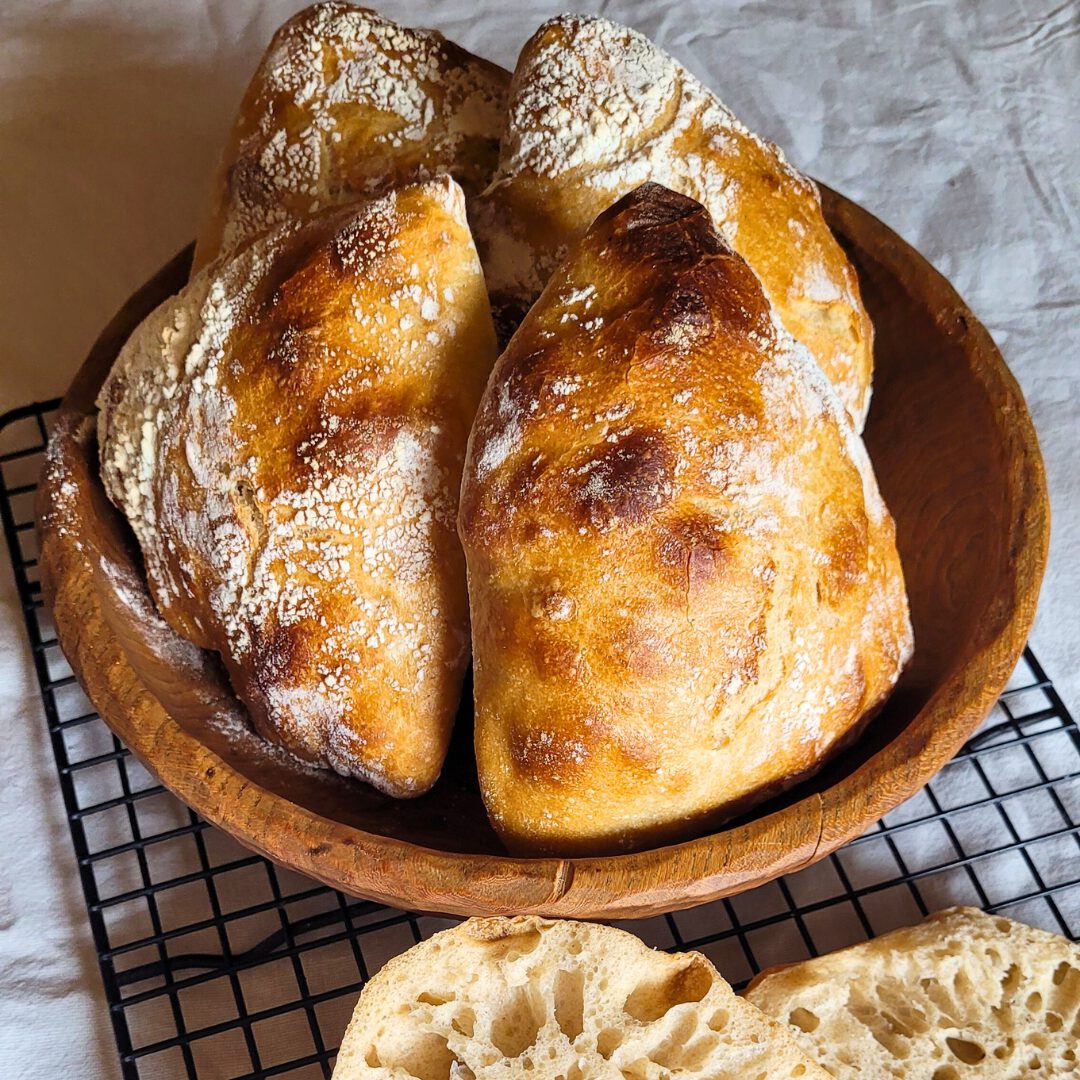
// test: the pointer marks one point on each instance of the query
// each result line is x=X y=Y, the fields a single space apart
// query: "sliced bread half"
x=961 y=996
x=532 y=999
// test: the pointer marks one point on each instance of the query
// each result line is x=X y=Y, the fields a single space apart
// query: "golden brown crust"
x=286 y=438
x=683 y=582
x=596 y=109
x=346 y=104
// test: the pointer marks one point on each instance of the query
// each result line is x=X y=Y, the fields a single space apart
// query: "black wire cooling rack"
x=216 y=963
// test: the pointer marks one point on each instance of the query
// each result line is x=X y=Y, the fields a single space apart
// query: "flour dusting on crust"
x=616 y=111
x=595 y=111
x=292 y=514
x=346 y=103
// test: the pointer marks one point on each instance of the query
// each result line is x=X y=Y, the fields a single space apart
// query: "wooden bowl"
x=958 y=463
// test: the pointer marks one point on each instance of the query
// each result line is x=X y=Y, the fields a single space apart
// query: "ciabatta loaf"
x=684 y=584
x=962 y=996
x=286 y=438
x=346 y=104
x=597 y=109
x=529 y=999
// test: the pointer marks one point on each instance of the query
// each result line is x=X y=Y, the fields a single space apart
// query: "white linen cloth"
x=955 y=121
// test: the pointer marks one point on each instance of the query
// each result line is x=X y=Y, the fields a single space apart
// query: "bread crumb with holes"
x=534 y=999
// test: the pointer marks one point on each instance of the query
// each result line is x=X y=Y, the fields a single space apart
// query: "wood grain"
x=958 y=463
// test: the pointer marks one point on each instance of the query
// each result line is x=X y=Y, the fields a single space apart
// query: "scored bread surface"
x=530 y=999
x=286 y=437
x=963 y=995
x=344 y=104
x=595 y=109
x=684 y=585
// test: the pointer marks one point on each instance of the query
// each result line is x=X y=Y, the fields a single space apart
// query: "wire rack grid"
x=212 y=955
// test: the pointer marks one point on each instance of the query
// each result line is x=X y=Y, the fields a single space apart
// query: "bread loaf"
x=684 y=585
x=962 y=995
x=529 y=999
x=286 y=438
x=346 y=104
x=596 y=109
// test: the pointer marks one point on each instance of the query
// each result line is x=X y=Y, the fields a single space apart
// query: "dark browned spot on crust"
x=846 y=553
x=623 y=482
x=351 y=440
x=681 y=224
x=301 y=278
x=521 y=390
x=558 y=754
x=656 y=227
x=684 y=319
x=693 y=551
x=548 y=754
x=554 y=658
x=640 y=650
x=285 y=654
x=527 y=374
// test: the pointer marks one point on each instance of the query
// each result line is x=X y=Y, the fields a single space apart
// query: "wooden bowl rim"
x=662 y=879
